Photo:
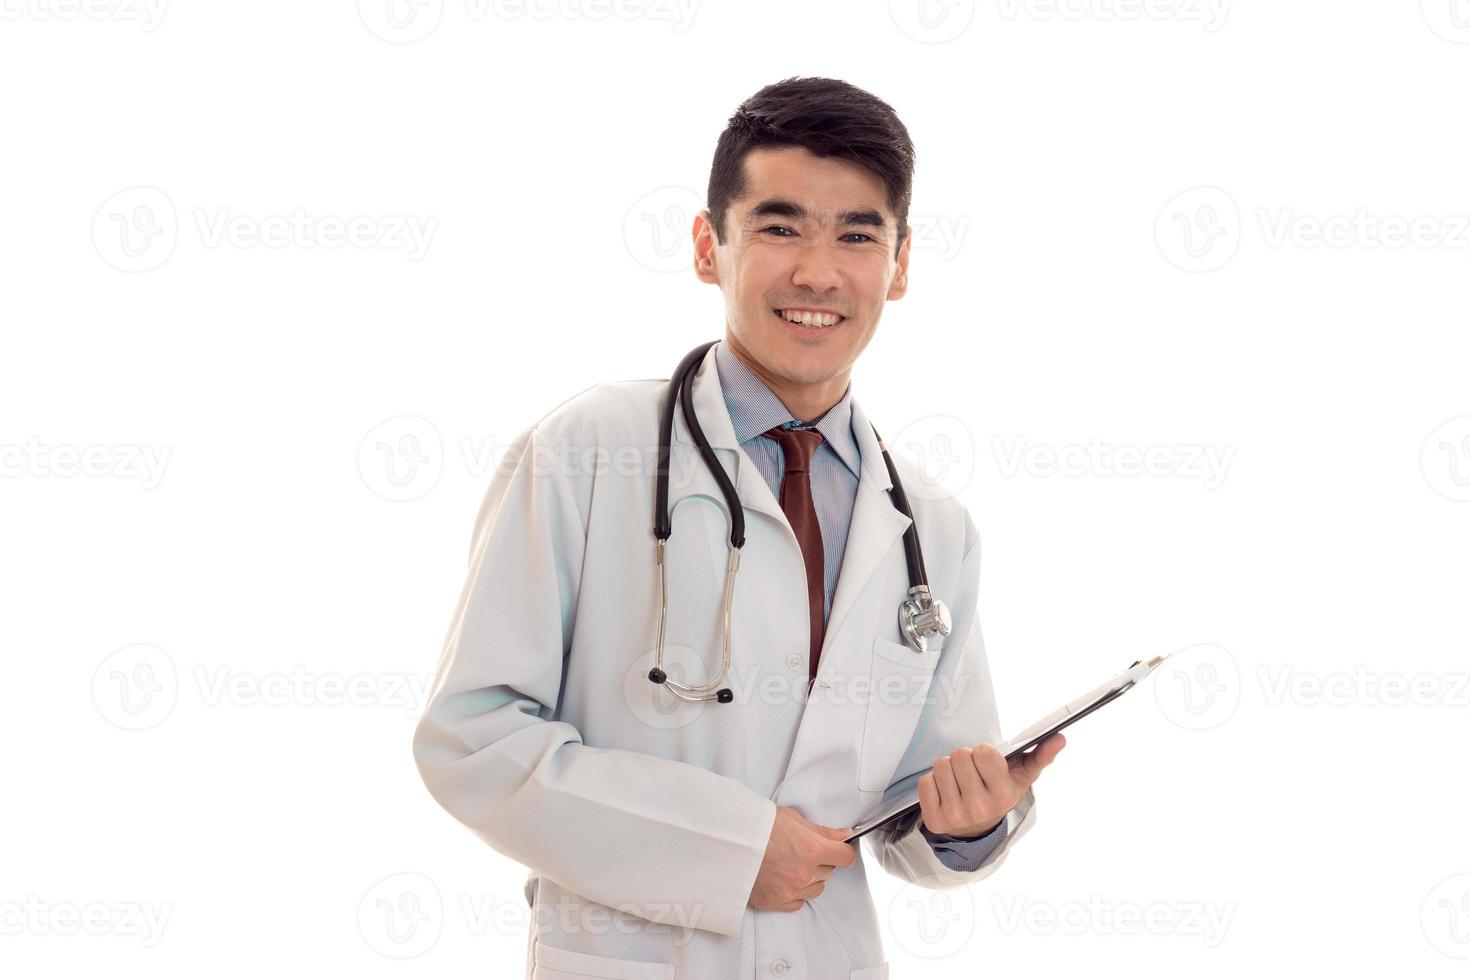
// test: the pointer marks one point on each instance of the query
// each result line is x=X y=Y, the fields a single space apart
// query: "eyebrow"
x=778 y=208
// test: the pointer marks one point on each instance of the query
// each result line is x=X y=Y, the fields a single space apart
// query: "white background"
x=1229 y=231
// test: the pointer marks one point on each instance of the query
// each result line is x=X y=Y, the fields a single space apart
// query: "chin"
x=804 y=365
x=803 y=360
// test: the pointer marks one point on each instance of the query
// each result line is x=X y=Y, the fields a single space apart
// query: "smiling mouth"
x=809 y=320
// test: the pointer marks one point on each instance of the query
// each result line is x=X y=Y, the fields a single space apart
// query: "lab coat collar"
x=755 y=409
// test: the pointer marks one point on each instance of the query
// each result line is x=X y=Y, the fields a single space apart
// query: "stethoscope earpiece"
x=724 y=695
x=920 y=616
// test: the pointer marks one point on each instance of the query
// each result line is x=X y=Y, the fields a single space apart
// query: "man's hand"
x=971 y=790
x=800 y=857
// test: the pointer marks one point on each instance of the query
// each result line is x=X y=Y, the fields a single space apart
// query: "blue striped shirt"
x=754 y=408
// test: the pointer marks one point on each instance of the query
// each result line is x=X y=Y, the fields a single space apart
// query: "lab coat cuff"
x=727 y=916
x=909 y=855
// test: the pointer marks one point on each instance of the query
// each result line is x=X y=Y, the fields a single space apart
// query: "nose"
x=817 y=269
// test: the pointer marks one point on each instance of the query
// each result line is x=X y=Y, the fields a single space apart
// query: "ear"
x=900 y=284
x=705 y=266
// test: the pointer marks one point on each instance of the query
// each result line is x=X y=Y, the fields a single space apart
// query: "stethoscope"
x=920 y=615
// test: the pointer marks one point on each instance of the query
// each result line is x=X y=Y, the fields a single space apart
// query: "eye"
x=858 y=234
x=777 y=228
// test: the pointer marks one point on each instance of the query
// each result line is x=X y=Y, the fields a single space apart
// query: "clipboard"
x=903 y=798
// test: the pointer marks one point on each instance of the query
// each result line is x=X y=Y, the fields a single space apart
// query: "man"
x=704 y=839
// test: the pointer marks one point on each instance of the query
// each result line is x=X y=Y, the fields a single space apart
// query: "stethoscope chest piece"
x=921 y=617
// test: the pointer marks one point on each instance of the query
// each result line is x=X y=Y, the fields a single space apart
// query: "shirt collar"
x=754 y=408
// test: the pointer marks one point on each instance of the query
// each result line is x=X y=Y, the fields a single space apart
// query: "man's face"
x=810 y=233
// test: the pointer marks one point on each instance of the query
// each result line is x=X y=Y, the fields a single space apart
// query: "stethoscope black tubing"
x=662 y=527
x=918 y=575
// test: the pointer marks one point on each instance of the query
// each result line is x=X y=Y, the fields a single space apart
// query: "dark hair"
x=828 y=117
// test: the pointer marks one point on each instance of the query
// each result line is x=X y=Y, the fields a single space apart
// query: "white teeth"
x=809 y=319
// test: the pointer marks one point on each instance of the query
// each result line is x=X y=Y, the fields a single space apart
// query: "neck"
x=805 y=402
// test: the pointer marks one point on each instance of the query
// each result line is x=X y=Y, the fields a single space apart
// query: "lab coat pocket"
x=879 y=972
x=552 y=963
x=901 y=679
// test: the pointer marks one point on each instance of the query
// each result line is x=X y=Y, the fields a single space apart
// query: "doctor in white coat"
x=698 y=839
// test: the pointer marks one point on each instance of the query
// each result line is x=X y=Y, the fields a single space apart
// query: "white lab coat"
x=643 y=818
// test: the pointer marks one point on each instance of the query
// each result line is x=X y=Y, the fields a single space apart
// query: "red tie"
x=797 y=447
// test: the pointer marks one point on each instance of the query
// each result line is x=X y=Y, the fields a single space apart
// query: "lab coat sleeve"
x=665 y=840
x=959 y=710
